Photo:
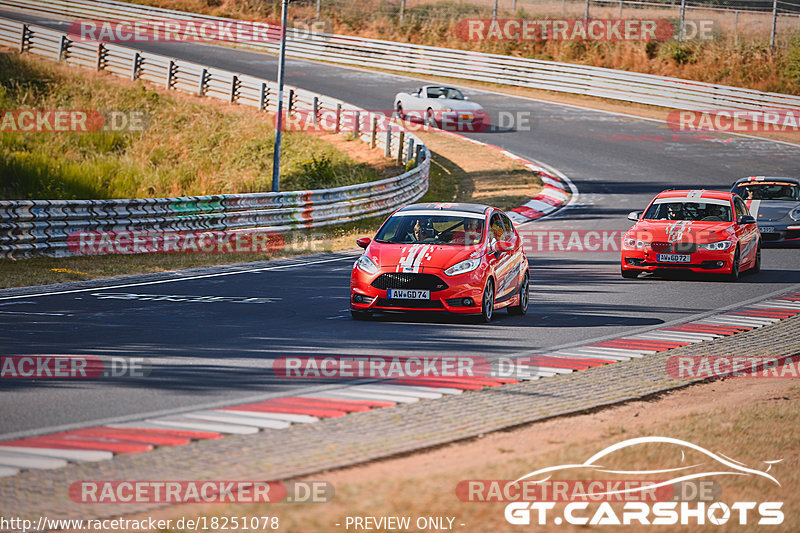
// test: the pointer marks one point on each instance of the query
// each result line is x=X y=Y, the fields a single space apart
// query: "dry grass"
x=489 y=178
x=192 y=146
x=744 y=61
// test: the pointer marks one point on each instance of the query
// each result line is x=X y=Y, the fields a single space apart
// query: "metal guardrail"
x=43 y=227
x=459 y=64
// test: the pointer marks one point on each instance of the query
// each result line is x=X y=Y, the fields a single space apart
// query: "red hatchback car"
x=461 y=258
x=698 y=231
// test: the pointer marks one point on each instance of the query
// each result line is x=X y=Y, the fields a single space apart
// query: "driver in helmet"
x=674 y=212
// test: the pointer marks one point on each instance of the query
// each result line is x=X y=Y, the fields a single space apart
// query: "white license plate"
x=674 y=258
x=767 y=230
x=409 y=294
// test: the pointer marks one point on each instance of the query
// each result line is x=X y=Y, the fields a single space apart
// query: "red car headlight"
x=365 y=263
x=717 y=246
x=630 y=242
x=463 y=267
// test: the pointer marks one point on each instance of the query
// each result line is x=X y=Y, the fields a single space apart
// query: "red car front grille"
x=675 y=247
x=408 y=280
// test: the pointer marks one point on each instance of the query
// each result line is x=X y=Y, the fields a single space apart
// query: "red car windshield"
x=697 y=211
x=431 y=229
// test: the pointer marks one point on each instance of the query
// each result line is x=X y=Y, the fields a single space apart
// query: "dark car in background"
x=775 y=204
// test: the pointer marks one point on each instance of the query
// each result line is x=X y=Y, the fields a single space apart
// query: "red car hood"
x=419 y=257
x=682 y=230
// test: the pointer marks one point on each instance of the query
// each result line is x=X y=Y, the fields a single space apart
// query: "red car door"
x=747 y=234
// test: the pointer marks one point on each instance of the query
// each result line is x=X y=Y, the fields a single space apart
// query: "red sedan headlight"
x=717 y=246
x=630 y=242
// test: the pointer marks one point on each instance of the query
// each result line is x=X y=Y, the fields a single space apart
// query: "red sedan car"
x=699 y=231
x=461 y=258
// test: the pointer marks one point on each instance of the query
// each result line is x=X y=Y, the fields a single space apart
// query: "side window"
x=741 y=208
x=509 y=233
x=496 y=227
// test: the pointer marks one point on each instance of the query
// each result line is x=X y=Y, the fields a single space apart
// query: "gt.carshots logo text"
x=681 y=492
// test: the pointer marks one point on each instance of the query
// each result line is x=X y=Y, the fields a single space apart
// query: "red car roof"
x=695 y=193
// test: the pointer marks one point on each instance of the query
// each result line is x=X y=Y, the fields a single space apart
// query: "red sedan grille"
x=676 y=247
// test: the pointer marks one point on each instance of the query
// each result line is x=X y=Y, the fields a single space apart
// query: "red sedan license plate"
x=409 y=294
x=674 y=258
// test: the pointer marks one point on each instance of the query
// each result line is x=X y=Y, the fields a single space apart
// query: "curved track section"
x=208 y=352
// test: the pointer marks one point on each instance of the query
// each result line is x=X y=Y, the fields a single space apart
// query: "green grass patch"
x=191 y=146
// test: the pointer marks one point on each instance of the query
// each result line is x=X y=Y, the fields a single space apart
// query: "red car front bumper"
x=461 y=294
x=701 y=261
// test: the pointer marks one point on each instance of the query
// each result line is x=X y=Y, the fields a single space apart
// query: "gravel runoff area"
x=338 y=442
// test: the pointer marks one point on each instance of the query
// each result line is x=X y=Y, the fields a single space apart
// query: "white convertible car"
x=438 y=105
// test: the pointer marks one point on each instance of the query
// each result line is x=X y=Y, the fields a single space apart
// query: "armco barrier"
x=562 y=77
x=41 y=227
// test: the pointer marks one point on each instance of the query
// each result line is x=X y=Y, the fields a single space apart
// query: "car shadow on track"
x=765 y=276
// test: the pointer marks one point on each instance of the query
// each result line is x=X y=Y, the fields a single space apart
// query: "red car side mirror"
x=503 y=246
x=363 y=242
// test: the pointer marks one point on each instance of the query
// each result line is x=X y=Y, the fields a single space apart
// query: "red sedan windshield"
x=679 y=210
